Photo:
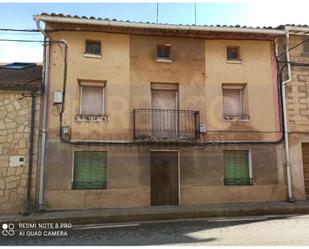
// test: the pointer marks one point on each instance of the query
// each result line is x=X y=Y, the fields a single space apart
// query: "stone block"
x=13 y=196
x=19 y=171
x=22 y=143
x=20 y=128
x=2 y=125
x=11 y=171
x=10 y=179
x=17 y=105
x=2 y=184
x=10 y=125
x=11 y=185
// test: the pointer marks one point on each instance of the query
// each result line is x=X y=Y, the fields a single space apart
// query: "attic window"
x=93 y=47
x=164 y=52
x=18 y=65
x=233 y=54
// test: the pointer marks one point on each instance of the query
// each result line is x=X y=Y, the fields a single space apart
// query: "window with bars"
x=91 y=100
x=237 y=167
x=90 y=170
x=233 y=54
x=164 y=52
x=93 y=47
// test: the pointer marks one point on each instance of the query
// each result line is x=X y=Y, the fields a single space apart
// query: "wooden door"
x=164 y=178
x=164 y=105
x=305 y=149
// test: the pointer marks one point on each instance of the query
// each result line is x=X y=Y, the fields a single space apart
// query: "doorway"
x=164 y=178
x=305 y=151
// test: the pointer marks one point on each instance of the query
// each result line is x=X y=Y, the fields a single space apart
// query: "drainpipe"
x=44 y=119
x=285 y=119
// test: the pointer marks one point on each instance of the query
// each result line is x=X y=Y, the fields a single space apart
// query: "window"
x=92 y=98
x=164 y=52
x=90 y=170
x=237 y=169
x=234 y=99
x=93 y=47
x=233 y=54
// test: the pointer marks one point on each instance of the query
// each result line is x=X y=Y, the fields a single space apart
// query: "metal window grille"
x=90 y=170
x=236 y=167
x=93 y=47
x=164 y=52
x=233 y=53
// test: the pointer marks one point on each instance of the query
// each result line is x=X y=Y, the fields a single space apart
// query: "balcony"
x=165 y=125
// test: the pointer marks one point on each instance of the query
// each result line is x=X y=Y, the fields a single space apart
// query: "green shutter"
x=236 y=167
x=90 y=170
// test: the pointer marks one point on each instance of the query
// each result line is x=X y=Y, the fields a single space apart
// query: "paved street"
x=261 y=230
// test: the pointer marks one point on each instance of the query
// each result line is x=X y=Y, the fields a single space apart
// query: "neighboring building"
x=161 y=115
x=20 y=87
x=298 y=108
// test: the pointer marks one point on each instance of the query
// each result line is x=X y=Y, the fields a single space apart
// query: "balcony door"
x=164 y=105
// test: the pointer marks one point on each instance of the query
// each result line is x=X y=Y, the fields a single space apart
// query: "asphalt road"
x=261 y=230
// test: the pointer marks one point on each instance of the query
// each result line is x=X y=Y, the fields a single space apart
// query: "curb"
x=174 y=214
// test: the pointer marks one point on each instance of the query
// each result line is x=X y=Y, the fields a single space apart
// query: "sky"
x=261 y=13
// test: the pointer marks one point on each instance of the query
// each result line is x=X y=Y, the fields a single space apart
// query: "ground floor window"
x=237 y=169
x=90 y=170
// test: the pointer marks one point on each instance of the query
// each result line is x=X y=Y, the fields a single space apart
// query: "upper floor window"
x=234 y=104
x=233 y=54
x=93 y=47
x=164 y=52
x=92 y=98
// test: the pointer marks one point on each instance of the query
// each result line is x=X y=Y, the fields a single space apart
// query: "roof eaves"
x=60 y=18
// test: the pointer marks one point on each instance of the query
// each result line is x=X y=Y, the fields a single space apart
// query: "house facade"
x=297 y=108
x=147 y=115
x=20 y=90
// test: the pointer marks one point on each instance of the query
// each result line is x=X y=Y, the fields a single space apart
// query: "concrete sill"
x=94 y=56
x=164 y=60
x=234 y=62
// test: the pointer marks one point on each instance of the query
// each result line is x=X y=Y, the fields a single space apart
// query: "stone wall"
x=298 y=90
x=298 y=101
x=15 y=121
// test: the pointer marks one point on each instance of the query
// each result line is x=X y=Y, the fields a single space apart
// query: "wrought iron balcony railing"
x=165 y=124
